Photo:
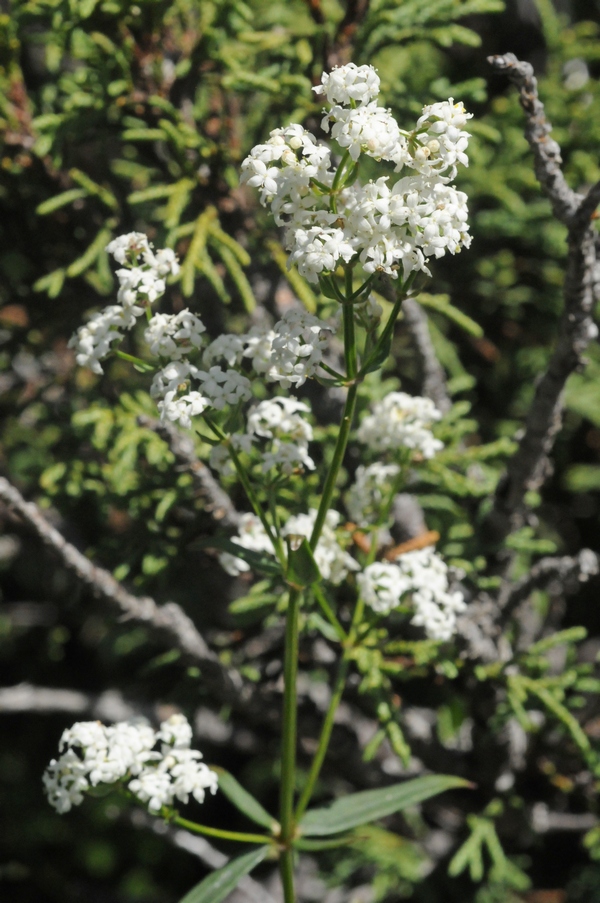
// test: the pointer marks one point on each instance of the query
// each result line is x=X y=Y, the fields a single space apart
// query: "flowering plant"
x=335 y=555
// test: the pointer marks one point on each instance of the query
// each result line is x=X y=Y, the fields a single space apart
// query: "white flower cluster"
x=141 y=282
x=422 y=574
x=400 y=420
x=365 y=496
x=391 y=227
x=93 y=754
x=280 y=419
x=173 y=335
x=332 y=560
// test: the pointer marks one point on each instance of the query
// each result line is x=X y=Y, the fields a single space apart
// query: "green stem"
x=134 y=360
x=217 y=832
x=243 y=478
x=347 y=417
x=288 y=751
x=286 y=869
x=328 y=611
x=324 y=739
x=338 y=457
x=349 y=336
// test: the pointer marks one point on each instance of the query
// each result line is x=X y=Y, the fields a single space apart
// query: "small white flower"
x=126 y=248
x=401 y=420
x=251 y=536
x=180 y=409
x=227 y=347
x=422 y=576
x=369 y=130
x=287 y=458
x=97 y=754
x=92 y=342
x=349 y=83
x=173 y=335
x=365 y=496
x=223 y=387
x=382 y=586
x=297 y=348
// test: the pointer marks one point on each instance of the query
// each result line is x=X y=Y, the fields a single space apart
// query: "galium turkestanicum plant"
x=343 y=235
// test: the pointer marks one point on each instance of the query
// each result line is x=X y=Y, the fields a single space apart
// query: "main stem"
x=288 y=752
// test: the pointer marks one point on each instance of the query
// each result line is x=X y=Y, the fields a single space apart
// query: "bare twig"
x=168 y=618
x=218 y=502
x=432 y=373
x=24 y=697
x=565 y=572
x=529 y=466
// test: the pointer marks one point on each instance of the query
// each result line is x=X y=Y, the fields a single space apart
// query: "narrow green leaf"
x=89 y=256
x=442 y=304
x=52 y=283
x=243 y=800
x=257 y=562
x=216 y=887
x=369 y=805
x=60 y=200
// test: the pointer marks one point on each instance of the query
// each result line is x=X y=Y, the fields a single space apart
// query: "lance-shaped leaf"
x=243 y=800
x=369 y=805
x=220 y=883
x=257 y=562
x=302 y=569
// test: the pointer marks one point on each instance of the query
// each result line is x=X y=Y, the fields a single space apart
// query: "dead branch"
x=529 y=466
x=217 y=501
x=566 y=573
x=432 y=373
x=169 y=618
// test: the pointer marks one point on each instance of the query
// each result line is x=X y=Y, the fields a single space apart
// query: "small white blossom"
x=287 y=458
x=223 y=387
x=92 y=342
x=252 y=536
x=139 y=286
x=382 y=585
x=173 y=377
x=297 y=348
x=318 y=250
x=440 y=139
x=164 y=262
x=423 y=576
x=127 y=248
x=227 y=347
x=173 y=335
x=365 y=496
x=401 y=421
x=126 y=751
x=348 y=83
x=280 y=417
x=181 y=408
x=259 y=345
x=369 y=130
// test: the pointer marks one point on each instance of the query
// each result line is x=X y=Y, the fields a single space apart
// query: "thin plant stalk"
x=288 y=751
x=319 y=757
x=218 y=832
